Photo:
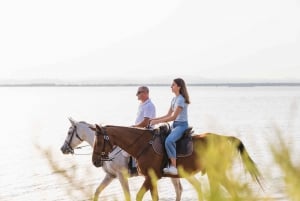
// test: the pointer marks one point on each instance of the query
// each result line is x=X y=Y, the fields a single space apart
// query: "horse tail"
x=247 y=160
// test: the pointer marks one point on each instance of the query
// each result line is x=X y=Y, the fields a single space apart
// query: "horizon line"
x=216 y=84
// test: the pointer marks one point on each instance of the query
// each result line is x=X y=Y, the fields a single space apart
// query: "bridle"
x=68 y=143
x=104 y=156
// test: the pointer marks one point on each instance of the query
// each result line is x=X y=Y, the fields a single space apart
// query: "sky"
x=149 y=40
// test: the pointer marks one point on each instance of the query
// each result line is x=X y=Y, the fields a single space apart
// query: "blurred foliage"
x=238 y=188
x=69 y=174
x=281 y=152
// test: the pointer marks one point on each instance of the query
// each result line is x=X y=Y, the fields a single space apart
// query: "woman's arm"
x=171 y=116
x=168 y=114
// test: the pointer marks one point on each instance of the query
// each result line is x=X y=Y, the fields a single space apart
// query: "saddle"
x=184 y=146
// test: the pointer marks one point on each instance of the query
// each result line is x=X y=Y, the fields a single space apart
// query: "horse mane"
x=88 y=124
x=136 y=130
x=129 y=127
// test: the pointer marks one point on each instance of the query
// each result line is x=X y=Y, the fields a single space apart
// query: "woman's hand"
x=153 y=122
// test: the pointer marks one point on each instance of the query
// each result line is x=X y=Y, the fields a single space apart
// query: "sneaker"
x=166 y=168
x=171 y=170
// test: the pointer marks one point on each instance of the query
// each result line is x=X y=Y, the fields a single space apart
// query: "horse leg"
x=197 y=185
x=124 y=183
x=107 y=180
x=178 y=188
x=145 y=187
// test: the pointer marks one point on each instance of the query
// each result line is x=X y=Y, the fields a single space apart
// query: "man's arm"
x=144 y=123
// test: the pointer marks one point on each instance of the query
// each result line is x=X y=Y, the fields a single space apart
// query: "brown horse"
x=138 y=143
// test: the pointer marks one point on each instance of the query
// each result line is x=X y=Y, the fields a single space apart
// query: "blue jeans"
x=178 y=128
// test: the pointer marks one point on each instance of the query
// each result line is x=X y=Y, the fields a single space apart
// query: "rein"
x=111 y=159
x=80 y=147
x=144 y=149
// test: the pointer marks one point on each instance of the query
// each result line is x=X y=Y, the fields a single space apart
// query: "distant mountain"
x=150 y=82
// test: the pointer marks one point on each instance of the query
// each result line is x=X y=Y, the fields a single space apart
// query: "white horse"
x=79 y=132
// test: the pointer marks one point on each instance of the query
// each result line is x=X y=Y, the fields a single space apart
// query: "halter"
x=68 y=143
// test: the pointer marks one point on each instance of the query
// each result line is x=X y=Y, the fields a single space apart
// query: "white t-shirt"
x=179 y=101
x=146 y=109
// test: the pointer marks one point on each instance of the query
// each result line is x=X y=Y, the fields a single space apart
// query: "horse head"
x=102 y=146
x=72 y=140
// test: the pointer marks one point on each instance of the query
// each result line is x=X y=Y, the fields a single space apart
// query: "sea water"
x=34 y=125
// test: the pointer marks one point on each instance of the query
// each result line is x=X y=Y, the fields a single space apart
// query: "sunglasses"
x=139 y=92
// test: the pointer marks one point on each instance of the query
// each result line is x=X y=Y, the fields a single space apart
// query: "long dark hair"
x=183 y=89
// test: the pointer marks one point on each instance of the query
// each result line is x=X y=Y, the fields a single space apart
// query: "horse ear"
x=72 y=120
x=92 y=127
x=97 y=127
